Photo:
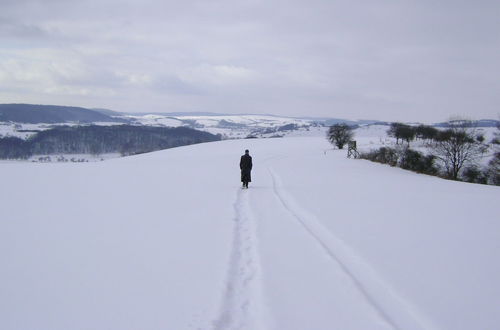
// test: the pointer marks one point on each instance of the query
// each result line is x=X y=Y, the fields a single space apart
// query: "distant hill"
x=37 y=114
x=328 y=121
x=107 y=112
x=178 y=114
x=475 y=123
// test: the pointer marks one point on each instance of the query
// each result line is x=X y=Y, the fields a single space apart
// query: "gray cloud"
x=411 y=60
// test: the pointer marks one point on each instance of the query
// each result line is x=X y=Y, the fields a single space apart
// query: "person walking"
x=246 y=168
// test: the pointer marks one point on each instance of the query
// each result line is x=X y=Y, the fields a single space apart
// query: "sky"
x=408 y=60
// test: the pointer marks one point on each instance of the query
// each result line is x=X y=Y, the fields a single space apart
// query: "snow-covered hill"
x=169 y=240
x=236 y=126
x=228 y=126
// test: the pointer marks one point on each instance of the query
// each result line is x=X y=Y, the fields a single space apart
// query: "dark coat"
x=246 y=168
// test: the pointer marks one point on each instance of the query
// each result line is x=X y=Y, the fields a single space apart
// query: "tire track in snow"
x=393 y=309
x=241 y=301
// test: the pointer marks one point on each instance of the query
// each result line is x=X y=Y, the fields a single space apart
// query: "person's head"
x=247 y=152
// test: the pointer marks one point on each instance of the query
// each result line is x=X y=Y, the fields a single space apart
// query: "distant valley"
x=25 y=120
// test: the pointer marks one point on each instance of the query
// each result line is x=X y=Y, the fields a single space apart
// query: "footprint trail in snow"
x=241 y=302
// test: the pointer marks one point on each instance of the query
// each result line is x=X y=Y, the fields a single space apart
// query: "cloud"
x=412 y=60
x=219 y=75
x=12 y=30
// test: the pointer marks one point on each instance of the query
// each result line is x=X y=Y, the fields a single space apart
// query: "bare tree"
x=394 y=131
x=425 y=132
x=402 y=131
x=340 y=134
x=456 y=146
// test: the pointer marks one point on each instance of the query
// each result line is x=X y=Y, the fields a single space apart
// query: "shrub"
x=493 y=170
x=413 y=160
x=383 y=155
x=473 y=174
x=418 y=162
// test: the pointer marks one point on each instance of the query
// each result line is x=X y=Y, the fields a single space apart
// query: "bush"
x=494 y=170
x=383 y=155
x=413 y=160
x=418 y=162
x=473 y=174
x=407 y=159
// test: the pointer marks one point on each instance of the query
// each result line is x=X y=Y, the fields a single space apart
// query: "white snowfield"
x=169 y=240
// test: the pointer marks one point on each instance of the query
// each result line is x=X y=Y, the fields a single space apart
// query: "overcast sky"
x=416 y=60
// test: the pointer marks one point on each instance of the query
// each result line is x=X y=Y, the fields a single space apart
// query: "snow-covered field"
x=24 y=131
x=169 y=240
x=232 y=126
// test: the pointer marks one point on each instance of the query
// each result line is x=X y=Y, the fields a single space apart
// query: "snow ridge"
x=241 y=301
x=398 y=313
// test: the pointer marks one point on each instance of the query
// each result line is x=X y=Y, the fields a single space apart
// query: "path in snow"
x=241 y=301
x=391 y=307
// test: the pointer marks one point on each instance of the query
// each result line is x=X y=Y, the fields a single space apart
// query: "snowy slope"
x=228 y=126
x=168 y=240
x=233 y=126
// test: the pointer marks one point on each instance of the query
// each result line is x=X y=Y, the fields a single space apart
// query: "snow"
x=230 y=126
x=24 y=131
x=169 y=240
x=156 y=120
x=20 y=130
x=261 y=120
x=372 y=137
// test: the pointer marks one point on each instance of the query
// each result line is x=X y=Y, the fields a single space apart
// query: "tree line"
x=456 y=148
x=95 y=140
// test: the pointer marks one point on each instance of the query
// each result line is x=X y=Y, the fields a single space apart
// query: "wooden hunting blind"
x=352 y=150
